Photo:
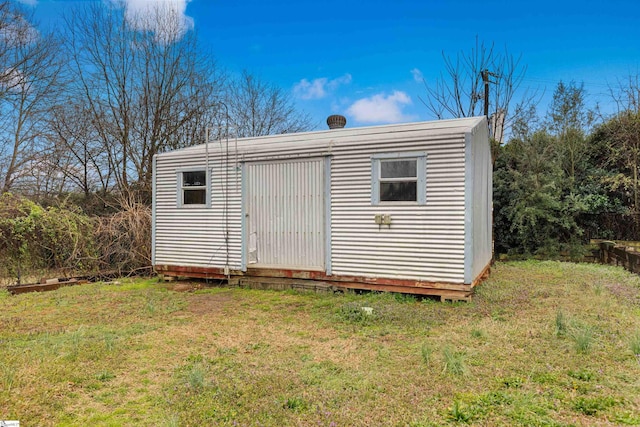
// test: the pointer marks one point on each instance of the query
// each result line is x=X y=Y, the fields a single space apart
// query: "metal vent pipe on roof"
x=336 y=121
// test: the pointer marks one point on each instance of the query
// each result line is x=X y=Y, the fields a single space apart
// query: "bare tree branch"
x=28 y=86
x=459 y=92
x=258 y=108
x=143 y=92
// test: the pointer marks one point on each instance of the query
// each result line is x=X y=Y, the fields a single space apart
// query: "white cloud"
x=318 y=88
x=417 y=75
x=17 y=31
x=166 y=18
x=381 y=108
x=14 y=80
x=342 y=80
x=315 y=89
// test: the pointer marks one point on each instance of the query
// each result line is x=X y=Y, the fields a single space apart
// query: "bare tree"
x=29 y=85
x=257 y=108
x=76 y=152
x=16 y=31
x=626 y=94
x=143 y=83
x=459 y=92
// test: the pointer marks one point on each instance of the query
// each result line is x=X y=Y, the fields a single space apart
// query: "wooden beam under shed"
x=317 y=280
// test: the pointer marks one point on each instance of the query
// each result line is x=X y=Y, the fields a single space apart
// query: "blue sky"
x=361 y=58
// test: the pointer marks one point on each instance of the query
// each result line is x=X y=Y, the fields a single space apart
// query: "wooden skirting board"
x=317 y=280
x=484 y=274
x=49 y=285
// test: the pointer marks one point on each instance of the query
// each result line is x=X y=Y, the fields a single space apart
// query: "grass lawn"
x=542 y=343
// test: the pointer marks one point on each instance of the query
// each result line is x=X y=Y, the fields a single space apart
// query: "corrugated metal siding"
x=423 y=242
x=481 y=197
x=197 y=236
x=285 y=214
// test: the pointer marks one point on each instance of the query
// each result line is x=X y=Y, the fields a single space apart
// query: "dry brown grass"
x=124 y=239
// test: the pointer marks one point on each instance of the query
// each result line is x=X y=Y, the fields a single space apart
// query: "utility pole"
x=486 y=74
x=485 y=78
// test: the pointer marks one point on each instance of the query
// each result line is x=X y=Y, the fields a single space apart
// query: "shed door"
x=285 y=214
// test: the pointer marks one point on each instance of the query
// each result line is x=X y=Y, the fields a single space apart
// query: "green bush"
x=67 y=239
x=62 y=239
x=33 y=238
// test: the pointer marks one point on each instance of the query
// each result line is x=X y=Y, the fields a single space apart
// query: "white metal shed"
x=403 y=207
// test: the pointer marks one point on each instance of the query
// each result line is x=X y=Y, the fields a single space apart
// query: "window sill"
x=192 y=206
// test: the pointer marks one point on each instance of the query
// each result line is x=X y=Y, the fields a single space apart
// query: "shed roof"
x=335 y=136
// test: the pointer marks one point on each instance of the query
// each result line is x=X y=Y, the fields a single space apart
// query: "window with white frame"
x=193 y=188
x=398 y=178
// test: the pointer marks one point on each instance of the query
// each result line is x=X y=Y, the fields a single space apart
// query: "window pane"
x=399 y=191
x=195 y=197
x=398 y=168
x=191 y=179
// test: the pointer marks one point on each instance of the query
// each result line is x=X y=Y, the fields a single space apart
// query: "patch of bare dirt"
x=186 y=286
x=210 y=303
